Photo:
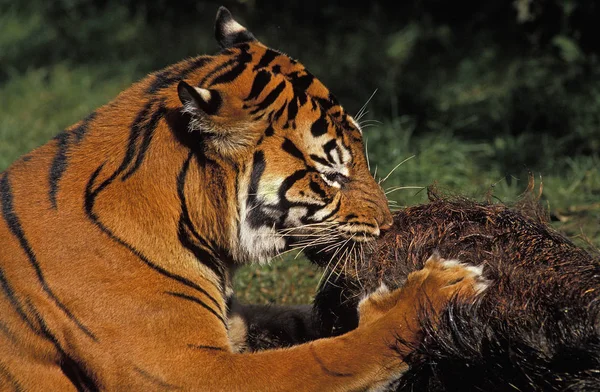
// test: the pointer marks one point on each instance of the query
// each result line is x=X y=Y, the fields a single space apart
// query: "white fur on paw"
x=475 y=272
x=451 y=263
x=381 y=290
x=481 y=286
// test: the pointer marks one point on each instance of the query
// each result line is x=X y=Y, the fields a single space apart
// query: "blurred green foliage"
x=481 y=97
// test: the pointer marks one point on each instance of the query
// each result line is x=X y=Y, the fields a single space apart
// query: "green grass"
x=287 y=280
x=38 y=104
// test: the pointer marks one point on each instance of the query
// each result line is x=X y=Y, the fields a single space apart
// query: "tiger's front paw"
x=439 y=280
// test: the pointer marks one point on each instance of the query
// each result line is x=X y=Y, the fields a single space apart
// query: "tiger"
x=121 y=235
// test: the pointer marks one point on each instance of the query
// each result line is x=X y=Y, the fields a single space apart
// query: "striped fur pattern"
x=119 y=237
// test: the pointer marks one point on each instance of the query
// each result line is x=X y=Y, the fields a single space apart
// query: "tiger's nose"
x=385 y=226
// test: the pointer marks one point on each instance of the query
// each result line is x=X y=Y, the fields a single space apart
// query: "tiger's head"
x=303 y=178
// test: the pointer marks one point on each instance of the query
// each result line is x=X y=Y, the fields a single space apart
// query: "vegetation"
x=479 y=100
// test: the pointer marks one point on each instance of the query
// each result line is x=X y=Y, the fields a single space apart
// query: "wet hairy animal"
x=537 y=325
x=119 y=237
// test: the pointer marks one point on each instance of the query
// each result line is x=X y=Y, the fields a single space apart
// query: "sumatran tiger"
x=119 y=237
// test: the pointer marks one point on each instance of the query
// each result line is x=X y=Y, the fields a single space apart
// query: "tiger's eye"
x=337 y=177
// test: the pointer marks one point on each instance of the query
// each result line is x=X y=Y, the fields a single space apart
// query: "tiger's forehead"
x=272 y=75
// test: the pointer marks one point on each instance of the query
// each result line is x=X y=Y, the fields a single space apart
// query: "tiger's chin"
x=328 y=246
x=337 y=255
x=259 y=245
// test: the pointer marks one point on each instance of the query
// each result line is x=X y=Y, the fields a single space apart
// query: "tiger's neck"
x=162 y=196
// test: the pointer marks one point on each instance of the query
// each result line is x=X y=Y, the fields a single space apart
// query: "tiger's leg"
x=361 y=359
x=26 y=350
x=381 y=302
x=261 y=327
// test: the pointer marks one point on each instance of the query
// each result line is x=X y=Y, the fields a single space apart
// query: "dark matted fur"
x=536 y=327
x=275 y=326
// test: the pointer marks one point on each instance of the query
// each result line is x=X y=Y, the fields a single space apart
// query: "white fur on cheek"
x=259 y=245
x=254 y=244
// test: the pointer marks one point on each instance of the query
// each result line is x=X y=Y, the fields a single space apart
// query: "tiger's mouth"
x=336 y=256
x=359 y=232
x=326 y=244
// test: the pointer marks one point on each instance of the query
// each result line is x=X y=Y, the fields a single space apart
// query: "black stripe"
x=17 y=230
x=333 y=212
x=155 y=379
x=203 y=347
x=273 y=95
x=269 y=131
x=288 y=183
x=58 y=166
x=10 y=379
x=169 y=77
x=260 y=216
x=324 y=368
x=8 y=333
x=134 y=135
x=147 y=128
x=292 y=108
x=204 y=251
x=30 y=309
x=256 y=218
x=258 y=168
x=78 y=375
x=328 y=147
x=72 y=369
x=266 y=59
x=317 y=189
x=10 y=294
x=90 y=199
x=199 y=302
x=289 y=147
x=243 y=59
x=319 y=127
x=218 y=69
x=320 y=160
x=325 y=103
x=278 y=113
x=201 y=252
x=82 y=129
x=302 y=83
x=302 y=98
x=60 y=161
x=258 y=85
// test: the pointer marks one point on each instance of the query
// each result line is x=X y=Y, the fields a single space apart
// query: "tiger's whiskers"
x=394 y=189
x=395 y=167
x=362 y=111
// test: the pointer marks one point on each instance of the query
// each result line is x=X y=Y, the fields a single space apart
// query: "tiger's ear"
x=203 y=105
x=198 y=100
x=229 y=32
